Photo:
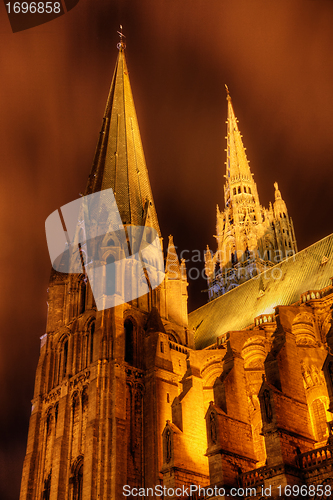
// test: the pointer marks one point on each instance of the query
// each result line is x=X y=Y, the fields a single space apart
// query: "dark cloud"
x=275 y=56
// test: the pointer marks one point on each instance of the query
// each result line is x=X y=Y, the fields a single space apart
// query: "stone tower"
x=250 y=238
x=101 y=401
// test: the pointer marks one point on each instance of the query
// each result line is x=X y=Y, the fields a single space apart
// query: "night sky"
x=276 y=56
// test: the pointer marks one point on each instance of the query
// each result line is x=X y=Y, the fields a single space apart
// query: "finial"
x=276 y=185
x=121 y=44
x=226 y=87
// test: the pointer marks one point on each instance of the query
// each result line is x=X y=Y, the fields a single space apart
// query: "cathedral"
x=144 y=400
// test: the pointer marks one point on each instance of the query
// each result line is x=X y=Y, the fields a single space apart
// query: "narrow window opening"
x=64 y=366
x=234 y=190
x=47 y=488
x=245 y=189
x=249 y=190
x=78 y=484
x=83 y=290
x=92 y=332
x=110 y=276
x=168 y=397
x=239 y=189
x=162 y=347
x=129 y=341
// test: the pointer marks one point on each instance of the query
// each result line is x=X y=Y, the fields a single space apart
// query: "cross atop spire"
x=121 y=44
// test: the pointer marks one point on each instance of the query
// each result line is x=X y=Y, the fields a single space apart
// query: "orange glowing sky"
x=275 y=56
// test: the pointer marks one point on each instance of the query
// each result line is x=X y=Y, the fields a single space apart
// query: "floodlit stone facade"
x=123 y=397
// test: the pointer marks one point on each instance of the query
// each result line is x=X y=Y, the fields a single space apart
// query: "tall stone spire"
x=119 y=161
x=239 y=178
x=249 y=238
x=237 y=164
x=99 y=380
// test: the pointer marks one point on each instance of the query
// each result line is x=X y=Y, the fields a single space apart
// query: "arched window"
x=318 y=417
x=244 y=189
x=234 y=191
x=64 y=358
x=85 y=342
x=239 y=189
x=129 y=341
x=110 y=276
x=110 y=243
x=78 y=482
x=249 y=190
x=92 y=332
x=76 y=410
x=47 y=488
x=49 y=441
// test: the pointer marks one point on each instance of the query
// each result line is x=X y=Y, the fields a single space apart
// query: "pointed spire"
x=237 y=163
x=119 y=161
x=172 y=266
x=277 y=192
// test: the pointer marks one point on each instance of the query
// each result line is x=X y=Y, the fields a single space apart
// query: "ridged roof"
x=119 y=161
x=282 y=284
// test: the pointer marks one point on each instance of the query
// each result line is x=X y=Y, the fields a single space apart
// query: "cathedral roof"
x=282 y=284
x=119 y=161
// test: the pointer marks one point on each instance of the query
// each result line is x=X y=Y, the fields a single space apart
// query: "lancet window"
x=110 y=276
x=129 y=341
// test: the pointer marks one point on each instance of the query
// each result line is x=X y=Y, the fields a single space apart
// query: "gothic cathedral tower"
x=249 y=237
x=101 y=375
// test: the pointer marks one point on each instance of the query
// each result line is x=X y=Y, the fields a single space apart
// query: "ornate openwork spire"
x=250 y=238
x=237 y=163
